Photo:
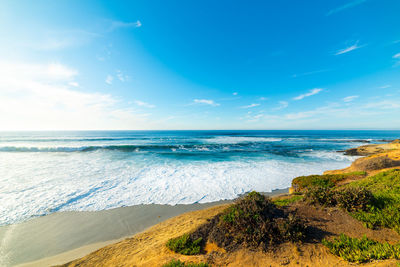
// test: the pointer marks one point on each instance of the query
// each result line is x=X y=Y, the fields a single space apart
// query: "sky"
x=159 y=65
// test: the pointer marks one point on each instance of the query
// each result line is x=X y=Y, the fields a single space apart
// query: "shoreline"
x=75 y=234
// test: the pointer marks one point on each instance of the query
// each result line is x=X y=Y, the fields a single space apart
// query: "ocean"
x=46 y=172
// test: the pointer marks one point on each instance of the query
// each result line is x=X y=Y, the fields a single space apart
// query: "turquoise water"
x=45 y=172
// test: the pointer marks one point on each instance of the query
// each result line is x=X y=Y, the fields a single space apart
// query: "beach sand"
x=61 y=237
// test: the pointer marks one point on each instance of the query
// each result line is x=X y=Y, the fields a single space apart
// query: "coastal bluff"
x=377 y=168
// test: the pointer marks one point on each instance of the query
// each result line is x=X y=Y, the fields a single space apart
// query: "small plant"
x=361 y=249
x=185 y=245
x=354 y=199
x=178 y=263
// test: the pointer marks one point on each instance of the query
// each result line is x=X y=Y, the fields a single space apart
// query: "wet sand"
x=61 y=237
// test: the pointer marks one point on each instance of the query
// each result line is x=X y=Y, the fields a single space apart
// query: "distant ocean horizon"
x=46 y=172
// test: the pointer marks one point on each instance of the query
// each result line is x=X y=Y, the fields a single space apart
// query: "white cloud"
x=263 y=98
x=345 y=6
x=349 y=49
x=234 y=93
x=144 y=104
x=350 y=98
x=121 y=76
x=205 y=102
x=109 y=79
x=282 y=105
x=310 y=93
x=385 y=86
x=120 y=24
x=309 y=73
x=74 y=84
x=250 y=106
x=41 y=97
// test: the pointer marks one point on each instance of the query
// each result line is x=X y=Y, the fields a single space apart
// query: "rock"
x=375 y=163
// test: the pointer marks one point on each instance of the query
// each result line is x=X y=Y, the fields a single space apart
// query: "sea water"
x=46 y=172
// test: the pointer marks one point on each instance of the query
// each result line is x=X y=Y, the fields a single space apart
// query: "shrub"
x=292 y=229
x=323 y=196
x=254 y=221
x=361 y=249
x=327 y=180
x=354 y=199
x=185 y=245
x=178 y=263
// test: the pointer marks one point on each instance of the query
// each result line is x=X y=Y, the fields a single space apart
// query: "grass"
x=361 y=249
x=385 y=209
x=185 y=245
x=287 y=201
x=178 y=263
x=302 y=183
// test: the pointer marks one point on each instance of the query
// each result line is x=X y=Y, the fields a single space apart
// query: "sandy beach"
x=61 y=237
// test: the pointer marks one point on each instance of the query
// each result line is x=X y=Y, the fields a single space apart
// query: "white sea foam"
x=330 y=155
x=37 y=184
x=239 y=139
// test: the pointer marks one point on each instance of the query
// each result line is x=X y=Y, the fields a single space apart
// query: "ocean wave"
x=216 y=147
x=240 y=140
x=330 y=155
x=122 y=148
x=91 y=183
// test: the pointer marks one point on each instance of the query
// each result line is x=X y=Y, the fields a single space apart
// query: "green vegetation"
x=354 y=199
x=255 y=221
x=302 y=183
x=384 y=211
x=349 y=199
x=185 y=245
x=178 y=263
x=361 y=249
x=287 y=201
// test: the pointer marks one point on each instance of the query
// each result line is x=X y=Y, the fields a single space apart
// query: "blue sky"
x=86 y=65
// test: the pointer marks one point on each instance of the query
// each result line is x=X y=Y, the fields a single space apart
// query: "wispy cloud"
x=251 y=105
x=349 y=49
x=109 y=79
x=345 y=6
x=310 y=93
x=309 y=73
x=144 y=104
x=385 y=86
x=205 y=102
x=282 y=105
x=234 y=93
x=397 y=58
x=122 y=77
x=120 y=24
x=263 y=98
x=350 y=98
